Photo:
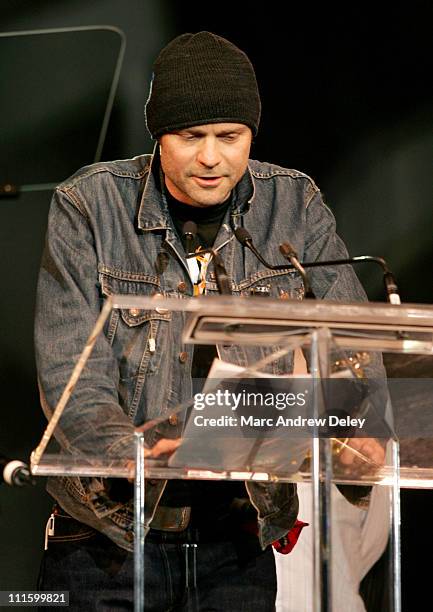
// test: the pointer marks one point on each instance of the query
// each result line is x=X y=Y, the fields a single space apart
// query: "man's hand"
x=358 y=453
x=165 y=446
x=162 y=447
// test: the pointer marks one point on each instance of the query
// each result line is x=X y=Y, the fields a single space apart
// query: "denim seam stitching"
x=112 y=327
x=85 y=535
x=289 y=173
x=139 y=175
x=73 y=199
x=124 y=275
x=142 y=370
x=265 y=274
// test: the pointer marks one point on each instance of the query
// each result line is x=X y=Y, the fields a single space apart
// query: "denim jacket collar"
x=153 y=212
x=244 y=193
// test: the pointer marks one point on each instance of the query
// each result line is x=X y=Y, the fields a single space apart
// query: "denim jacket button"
x=134 y=312
x=129 y=536
x=173 y=419
x=183 y=356
x=158 y=309
x=181 y=287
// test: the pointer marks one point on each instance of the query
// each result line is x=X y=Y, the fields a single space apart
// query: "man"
x=117 y=228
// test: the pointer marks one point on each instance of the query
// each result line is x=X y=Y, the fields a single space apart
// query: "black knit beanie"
x=198 y=79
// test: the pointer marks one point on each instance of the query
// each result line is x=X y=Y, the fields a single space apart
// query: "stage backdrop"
x=347 y=98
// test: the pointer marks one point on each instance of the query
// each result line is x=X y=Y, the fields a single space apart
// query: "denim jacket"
x=109 y=231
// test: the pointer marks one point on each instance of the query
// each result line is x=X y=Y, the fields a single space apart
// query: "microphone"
x=14 y=472
x=221 y=276
x=189 y=230
x=289 y=253
x=391 y=288
x=389 y=282
x=245 y=239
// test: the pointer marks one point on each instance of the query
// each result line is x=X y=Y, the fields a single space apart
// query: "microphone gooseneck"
x=287 y=250
x=389 y=282
x=245 y=239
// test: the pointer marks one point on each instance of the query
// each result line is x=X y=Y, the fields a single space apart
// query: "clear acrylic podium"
x=341 y=343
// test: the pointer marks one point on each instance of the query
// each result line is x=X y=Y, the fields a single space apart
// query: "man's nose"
x=209 y=153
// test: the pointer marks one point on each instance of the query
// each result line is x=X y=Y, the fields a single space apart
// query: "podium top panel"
x=257 y=320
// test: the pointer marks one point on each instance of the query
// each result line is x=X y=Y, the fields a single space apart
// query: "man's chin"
x=205 y=204
x=203 y=200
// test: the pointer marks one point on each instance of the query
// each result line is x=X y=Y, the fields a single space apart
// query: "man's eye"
x=230 y=137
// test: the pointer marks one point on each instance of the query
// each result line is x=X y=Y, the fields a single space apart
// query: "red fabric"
x=283 y=545
x=286 y=545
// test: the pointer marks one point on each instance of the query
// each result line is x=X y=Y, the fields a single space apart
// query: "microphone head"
x=243 y=235
x=287 y=250
x=189 y=228
x=16 y=473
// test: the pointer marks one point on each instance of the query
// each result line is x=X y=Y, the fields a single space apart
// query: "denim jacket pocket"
x=274 y=284
x=288 y=287
x=67 y=529
x=139 y=339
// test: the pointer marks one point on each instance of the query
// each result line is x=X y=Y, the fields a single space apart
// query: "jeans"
x=187 y=571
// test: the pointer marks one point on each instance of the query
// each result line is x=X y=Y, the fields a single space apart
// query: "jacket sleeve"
x=340 y=283
x=67 y=306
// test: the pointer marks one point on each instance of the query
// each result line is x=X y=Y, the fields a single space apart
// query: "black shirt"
x=210 y=500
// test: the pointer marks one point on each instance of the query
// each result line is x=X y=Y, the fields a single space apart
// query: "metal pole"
x=139 y=524
x=322 y=480
x=395 y=529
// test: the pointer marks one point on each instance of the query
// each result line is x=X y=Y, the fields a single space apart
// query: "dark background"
x=347 y=98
